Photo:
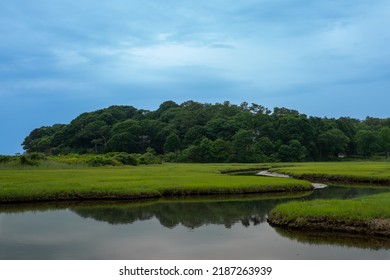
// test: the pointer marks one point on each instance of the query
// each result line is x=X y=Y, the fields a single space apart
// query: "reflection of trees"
x=193 y=214
x=254 y=219
x=188 y=214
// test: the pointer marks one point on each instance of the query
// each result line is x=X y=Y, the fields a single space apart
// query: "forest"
x=220 y=132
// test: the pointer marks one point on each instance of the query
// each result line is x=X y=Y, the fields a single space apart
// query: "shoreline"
x=167 y=193
x=342 y=179
x=375 y=173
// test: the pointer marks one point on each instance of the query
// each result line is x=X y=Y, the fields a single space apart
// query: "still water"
x=191 y=228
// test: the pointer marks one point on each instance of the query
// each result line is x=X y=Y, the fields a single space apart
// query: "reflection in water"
x=195 y=212
x=336 y=238
x=189 y=214
x=184 y=228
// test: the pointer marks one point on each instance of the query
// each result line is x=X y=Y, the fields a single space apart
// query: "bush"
x=100 y=161
x=171 y=157
x=25 y=161
x=37 y=156
x=127 y=159
x=5 y=159
x=150 y=157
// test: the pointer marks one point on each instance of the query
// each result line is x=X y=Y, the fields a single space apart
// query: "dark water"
x=191 y=228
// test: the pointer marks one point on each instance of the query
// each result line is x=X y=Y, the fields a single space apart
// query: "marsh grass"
x=358 y=209
x=364 y=172
x=363 y=215
x=131 y=182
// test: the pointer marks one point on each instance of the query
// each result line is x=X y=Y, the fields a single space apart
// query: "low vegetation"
x=78 y=160
x=37 y=177
x=349 y=172
x=364 y=215
x=39 y=183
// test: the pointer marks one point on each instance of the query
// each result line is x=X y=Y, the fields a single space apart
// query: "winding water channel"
x=183 y=228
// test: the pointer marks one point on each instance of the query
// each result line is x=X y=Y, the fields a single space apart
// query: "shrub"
x=5 y=159
x=99 y=161
x=171 y=157
x=25 y=160
x=37 y=156
x=150 y=157
x=127 y=159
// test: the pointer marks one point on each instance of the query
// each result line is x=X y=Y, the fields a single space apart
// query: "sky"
x=61 y=58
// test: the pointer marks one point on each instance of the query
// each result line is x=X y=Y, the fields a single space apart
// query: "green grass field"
x=369 y=214
x=130 y=182
x=68 y=182
x=364 y=172
x=366 y=215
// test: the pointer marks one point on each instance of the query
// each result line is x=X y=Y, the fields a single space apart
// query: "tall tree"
x=384 y=140
x=332 y=142
x=367 y=142
x=172 y=144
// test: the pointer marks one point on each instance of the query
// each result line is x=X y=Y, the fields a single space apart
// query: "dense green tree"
x=367 y=142
x=221 y=127
x=264 y=146
x=349 y=127
x=294 y=151
x=194 y=135
x=221 y=150
x=332 y=142
x=153 y=133
x=293 y=127
x=165 y=106
x=126 y=137
x=42 y=139
x=244 y=146
x=172 y=144
x=220 y=132
x=384 y=140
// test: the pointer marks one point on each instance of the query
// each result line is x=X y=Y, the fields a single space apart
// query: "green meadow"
x=366 y=215
x=352 y=172
x=30 y=184
x=369 y=214
x=56 y=181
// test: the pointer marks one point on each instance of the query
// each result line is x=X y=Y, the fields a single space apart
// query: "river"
x=228 y=227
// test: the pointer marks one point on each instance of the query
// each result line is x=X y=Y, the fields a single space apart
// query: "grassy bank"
x=347 y=172
x=365 y=215
x=131 y=182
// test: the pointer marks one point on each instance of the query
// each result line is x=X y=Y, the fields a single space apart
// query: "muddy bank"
x=378 y=227
x=344 y=239
x=272 y=174
x=267 y=173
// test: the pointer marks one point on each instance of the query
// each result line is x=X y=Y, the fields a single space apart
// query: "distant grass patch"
x=369 y=214
x=131 y=182
x=364 y=172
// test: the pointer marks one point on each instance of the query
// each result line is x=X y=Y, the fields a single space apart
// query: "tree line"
x=220 y=132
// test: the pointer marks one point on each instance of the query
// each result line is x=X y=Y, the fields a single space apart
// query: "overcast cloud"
x=61 y=58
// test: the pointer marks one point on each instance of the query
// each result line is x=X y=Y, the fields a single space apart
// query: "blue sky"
x=61 y=58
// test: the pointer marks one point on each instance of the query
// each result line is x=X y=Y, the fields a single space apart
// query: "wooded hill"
x=221 y=132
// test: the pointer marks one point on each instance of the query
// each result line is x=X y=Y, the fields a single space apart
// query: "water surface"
x=184 y=228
